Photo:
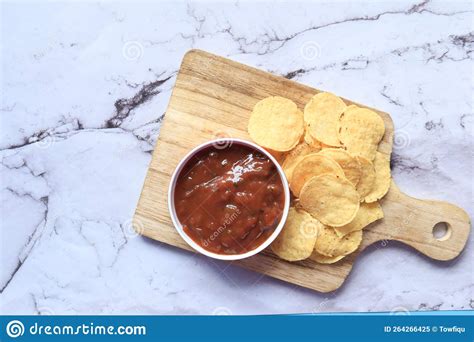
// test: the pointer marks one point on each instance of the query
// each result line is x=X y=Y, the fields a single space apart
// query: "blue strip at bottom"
x=456 y=326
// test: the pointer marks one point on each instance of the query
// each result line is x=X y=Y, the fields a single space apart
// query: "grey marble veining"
x=84 y=90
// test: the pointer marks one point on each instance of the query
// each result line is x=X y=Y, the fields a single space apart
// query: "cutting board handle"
x=412 y=222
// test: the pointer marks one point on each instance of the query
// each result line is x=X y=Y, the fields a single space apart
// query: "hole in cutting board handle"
x=442 y=231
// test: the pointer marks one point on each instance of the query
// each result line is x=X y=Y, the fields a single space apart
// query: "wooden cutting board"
x=213 y=97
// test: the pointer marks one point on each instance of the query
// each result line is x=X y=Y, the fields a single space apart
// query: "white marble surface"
x=85 y=85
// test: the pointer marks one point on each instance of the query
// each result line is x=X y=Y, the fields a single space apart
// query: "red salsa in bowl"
x=229 y=198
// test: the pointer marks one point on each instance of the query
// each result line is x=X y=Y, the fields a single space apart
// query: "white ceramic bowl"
x=220 y=144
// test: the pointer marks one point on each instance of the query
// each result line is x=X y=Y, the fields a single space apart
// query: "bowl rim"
x=219 y=143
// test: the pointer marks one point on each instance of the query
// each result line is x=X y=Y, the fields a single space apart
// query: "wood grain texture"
x=213 y=97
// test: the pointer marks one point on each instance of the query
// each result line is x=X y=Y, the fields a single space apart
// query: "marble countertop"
x=84 y=90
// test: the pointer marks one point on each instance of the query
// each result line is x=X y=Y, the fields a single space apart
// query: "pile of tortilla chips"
x=330 y=156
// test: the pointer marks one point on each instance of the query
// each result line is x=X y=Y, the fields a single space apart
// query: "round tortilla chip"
x=367 y=177
x=361 y=130
x=331 y=245
x=322 y=114
x=276 y=124
x=382 y=178
x=349 y=164
x=294 y=156
x=310 y=140
x=312 y=165
x=296 y=240
x=332 y=200
x=322 y=259
x=368 y=213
